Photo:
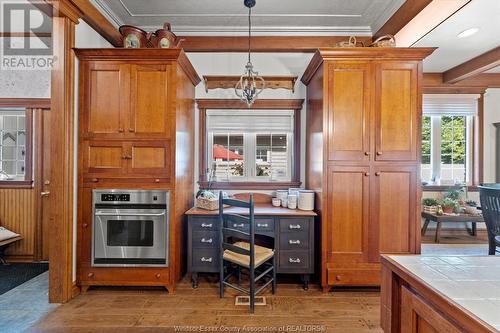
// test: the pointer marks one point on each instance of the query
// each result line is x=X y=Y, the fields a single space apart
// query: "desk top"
x=468 y=282
x=453 y=218
x=259 y=210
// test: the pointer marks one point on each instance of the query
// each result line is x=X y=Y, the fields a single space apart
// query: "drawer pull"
x=262 y=225
x=203 y=259
x=206 y=225
x=204 y=240
x=158 y=275
x=90 y=275
x=294 y=242
x=294 y=226
x=241 y=225
x=294 y=260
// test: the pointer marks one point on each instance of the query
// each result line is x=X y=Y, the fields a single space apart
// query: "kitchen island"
x=440 y=294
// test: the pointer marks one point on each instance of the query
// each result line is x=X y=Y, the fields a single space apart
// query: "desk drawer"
x=293 y=260
x=294 y=225
x=205 y=260
x=264 y=225
x=205 y=223
x=294 y=241
x=205 y=239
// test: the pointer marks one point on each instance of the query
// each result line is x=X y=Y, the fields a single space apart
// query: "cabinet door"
x=349 y=101
x=104 y=157
x=394 y=207
x=396 y=123
x=150 y=158
x=418 y=316
x=348 y=214
x=107 y=87
x=149 y=101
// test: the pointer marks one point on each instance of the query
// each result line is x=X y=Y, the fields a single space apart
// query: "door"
x=45 y=186
x=349 y=102
x=348 y=214
x=394 y=204
x=108 y=99
x=105 y=157
x=150 y=158
x=149 y=101
x=396 y=111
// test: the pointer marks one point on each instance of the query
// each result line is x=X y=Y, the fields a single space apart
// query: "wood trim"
x=478 y=144
x=474 y=66
x=443 y=188
x=62 y=157
x=35 y=103
x=38 y=182
x=402 y=17
x=262 y=104
x=75 y=290
x=25 y=34
x=434 y=84
x=304 y=44
x=230 y=81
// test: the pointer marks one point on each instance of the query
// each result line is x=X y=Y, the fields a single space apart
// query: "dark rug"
x=14 y=275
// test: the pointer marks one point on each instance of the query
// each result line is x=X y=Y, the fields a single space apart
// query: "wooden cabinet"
x=133 y=106
x=349 y=101
x=396 y=116
x=367 y=102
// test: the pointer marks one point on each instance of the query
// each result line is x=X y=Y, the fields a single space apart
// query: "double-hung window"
x=250 y=145
x=447 y=138
x=14 y=145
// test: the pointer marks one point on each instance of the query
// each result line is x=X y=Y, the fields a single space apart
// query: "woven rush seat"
x=262 y=254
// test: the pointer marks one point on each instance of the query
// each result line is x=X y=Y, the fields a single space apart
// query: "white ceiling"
x=494 y=70
x=452 y=51
x=270 y=17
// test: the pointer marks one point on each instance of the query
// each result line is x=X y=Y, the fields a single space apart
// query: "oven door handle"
x=128 y=214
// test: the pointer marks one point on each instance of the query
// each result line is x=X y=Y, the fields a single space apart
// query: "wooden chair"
x=490 y=205
x=4 y=244
x=238 y=250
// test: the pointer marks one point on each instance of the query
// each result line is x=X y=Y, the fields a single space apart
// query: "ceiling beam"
x=474 y=66
x=304 y=44
x=402 y=17
x=433 y=84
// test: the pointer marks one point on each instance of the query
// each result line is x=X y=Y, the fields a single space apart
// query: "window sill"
x=5 y=184
x=443 y=188
x=249 y=185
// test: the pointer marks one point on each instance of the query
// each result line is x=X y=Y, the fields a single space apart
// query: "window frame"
x=476 y=143
x=29 y=104
x=261 y=104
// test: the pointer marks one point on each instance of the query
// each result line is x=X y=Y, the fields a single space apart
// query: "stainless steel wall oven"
x=130 y=228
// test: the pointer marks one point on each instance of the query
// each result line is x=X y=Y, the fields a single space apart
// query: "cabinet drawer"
x=264 y=225
x=294 y=260
x=294 y=225
x=354 y=277
x=205 y=260
x=205 y=239
x=294 y=241
x=204 y=223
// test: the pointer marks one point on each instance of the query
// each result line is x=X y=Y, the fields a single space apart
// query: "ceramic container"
x=276 y=202
x=306 y=200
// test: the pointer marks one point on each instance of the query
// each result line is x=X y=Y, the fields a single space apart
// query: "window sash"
x=16 y=131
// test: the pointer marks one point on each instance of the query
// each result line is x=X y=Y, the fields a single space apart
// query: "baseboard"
x=75 y=290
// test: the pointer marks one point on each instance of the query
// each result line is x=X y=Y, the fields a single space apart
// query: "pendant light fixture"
x=246 y=88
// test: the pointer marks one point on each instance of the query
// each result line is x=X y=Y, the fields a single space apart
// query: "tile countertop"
x=472 y=282
x=259 y=209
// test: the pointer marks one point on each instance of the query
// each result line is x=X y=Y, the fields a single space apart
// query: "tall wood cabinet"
x=136 y=131
x=362 y=157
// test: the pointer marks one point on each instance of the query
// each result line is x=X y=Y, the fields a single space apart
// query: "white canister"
x=282 y=194
x=276 y=202
x=292 y=201
x=294 y=191
x=306 y=200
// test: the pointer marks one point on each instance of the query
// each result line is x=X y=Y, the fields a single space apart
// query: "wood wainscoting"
x=18 y=213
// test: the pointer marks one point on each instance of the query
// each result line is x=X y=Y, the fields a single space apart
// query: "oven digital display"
x=115 y=197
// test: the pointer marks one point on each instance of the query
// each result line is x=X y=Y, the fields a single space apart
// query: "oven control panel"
x=106 y=197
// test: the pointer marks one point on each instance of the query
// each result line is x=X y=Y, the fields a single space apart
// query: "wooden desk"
x=423 y=294
x=450 y=218
x=293 y=232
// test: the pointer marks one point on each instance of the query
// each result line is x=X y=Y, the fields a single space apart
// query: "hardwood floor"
x=153 y=310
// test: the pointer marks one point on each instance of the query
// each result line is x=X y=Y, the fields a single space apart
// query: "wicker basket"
x=431 y=209
x=384 y=41
x=208 y=204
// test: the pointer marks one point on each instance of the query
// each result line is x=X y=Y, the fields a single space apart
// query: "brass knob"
x=367 y=174
x=131 y=130
x=377 y=174
x=120 y=130
x=367 y=153
x=95 y=180
x=379 y=153
x=45 y=194
x=157 y=180
x=338 y=278
x=85 y=225
x=90 y=275
x=158 y=275
x=47 y=182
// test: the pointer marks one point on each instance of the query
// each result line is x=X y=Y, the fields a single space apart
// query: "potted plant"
x=470 y=207
x=430 y=205
x=205 y=197
x=455 y=194
x=448 y=205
